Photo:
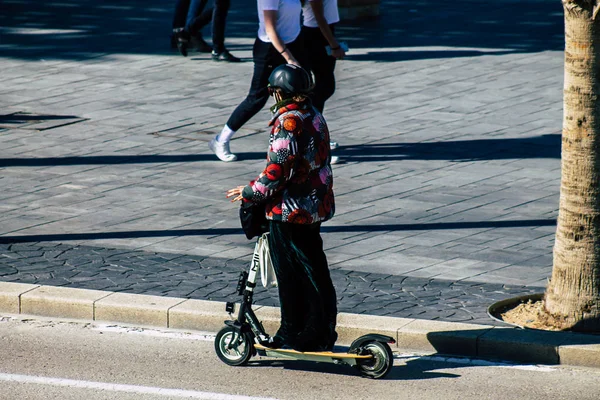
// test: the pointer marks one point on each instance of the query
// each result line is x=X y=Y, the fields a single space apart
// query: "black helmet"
x=291 y=79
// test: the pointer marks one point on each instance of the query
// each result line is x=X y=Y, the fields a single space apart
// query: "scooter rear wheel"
x=232 y=346
x=381 y=363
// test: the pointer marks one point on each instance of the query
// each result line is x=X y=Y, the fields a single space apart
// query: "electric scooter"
x=244 y=337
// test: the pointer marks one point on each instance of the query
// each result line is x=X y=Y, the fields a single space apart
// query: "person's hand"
x=338 y=53
x=236 y=193
x=292 y=60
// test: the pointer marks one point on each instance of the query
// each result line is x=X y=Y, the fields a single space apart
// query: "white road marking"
x=204 y=336
x=474 y=362
x=114 y=387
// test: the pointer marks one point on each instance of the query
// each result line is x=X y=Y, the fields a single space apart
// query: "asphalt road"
x=43 y=359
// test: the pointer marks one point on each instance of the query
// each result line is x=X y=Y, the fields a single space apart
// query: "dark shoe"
x=224 y=56
x=200 y=45
x=274 y=342
x=183 y=40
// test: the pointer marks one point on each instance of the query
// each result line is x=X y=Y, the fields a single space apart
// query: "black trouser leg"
x=291 y=297
x=198 y=16
x=321 y=64
x=266 y=58
x=181 y=12
x=321 y=280
x=306 y=292
x=219 y=20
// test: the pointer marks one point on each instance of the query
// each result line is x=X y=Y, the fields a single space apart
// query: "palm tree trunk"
x=572 y=298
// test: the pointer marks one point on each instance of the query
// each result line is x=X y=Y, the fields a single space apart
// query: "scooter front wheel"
x=232 y=346
x=381 y=363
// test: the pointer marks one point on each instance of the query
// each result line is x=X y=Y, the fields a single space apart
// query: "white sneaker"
x=221 y=150
x=334 y=160
x=333 y=145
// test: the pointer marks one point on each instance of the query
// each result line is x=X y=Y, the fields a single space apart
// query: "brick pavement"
x=449 y=116
x=212 y=278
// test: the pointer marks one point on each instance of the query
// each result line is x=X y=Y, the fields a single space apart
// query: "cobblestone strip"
x=210 y=278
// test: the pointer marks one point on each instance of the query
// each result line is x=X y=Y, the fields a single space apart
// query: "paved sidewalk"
x=449 y=117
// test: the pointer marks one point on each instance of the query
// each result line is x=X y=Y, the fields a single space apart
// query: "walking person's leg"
x=266 y=58
x=181 y=12
x=196 y=18
x=322 y=65
x=219 y=21
x=179 y=20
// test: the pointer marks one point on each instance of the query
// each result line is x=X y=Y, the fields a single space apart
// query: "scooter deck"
x=300 y=354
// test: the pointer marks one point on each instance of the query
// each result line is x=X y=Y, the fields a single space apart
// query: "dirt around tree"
x=530 y=315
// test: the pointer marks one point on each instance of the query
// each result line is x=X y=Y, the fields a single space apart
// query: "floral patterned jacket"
x=297 y=184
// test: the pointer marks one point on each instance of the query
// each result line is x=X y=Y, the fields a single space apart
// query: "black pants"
x=321 y=64
x=266 y=58
x=306 y=292
x=193 y=15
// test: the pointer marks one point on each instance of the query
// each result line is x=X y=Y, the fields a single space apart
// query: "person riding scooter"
x=296 y=189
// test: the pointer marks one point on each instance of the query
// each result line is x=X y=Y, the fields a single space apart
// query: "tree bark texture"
x=572 y=298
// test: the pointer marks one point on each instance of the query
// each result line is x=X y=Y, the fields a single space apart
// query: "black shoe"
x=183 y=40
x=200 y=45
x=224 y=56
x=274 y=342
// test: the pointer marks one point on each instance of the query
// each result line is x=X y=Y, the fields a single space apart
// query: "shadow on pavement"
x=592 y=324
x=508 y=344
x=545 y=146
x=411 y=55
x=59 y=237
x=517 y=26
x=22 y=118
x=86 y=29
x=111 y=160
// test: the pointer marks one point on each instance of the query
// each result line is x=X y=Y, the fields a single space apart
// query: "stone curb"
x=483 y=341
